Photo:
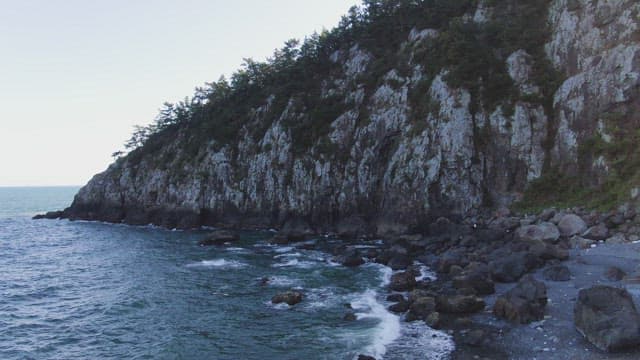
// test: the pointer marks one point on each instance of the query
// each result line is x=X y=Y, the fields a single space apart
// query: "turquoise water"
x=80 y=290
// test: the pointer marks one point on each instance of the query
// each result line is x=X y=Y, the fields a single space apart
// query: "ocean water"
x=82 y=290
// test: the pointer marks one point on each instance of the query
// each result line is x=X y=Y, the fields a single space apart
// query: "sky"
x=77 y=75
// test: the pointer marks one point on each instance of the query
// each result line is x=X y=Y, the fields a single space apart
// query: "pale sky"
x=77 y=75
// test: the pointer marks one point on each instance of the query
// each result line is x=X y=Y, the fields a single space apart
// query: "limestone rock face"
x=379 y=163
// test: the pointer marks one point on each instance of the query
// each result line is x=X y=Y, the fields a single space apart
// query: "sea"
x=90 y=290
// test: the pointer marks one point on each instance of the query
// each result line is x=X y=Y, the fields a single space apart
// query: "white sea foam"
x=219 y=263
x=283 y=281
x=388 y=329
x=418 y=341
x=425 y=273
x=284 y=249
x=295 y=263
x=287 y=255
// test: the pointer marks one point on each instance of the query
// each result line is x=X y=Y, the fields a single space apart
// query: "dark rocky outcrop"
x=608 y=318
x=524 y=303
x=459 y=304
x=289 y=297
x=614 y=274
x=403 y=281
x=220 y=237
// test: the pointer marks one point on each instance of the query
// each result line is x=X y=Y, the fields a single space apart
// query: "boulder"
x=524 y=303
x=350 y=258
x=614 y=274
x=220 y=237
x=557 y=273
x=512 y=267
x=545 y=231
x=399 y=307
x=421 y=308
x=597 y=233
x=617 y=239
x=459 y=304
x=402 y=281
x=288 y=297
x=50 y=215
x=477 y=277
x=607 y=317
x=365 y=357
x=571 y=224
x=434 y=320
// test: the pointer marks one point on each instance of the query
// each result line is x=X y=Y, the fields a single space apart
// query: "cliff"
x=401 y=114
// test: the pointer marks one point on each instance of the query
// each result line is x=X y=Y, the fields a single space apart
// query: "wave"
x=219 y=263
x=418 y=341
x=388 y=329
x=295 y=263
x=425 y=273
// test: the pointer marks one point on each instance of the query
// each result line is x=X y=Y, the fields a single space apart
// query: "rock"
x=365 y=357
x=403 y=281
x=288 y=297
x=545 y=231
x=477 y=277
x=349 y=317
x=614 y=274
x=617 y=239
x=399 y=262
x=399 y=307
x=505 y=223
x=351 y=227
x=547 y=214
x=459 y=304
x=545 y=251
x=571 y=224
x=220 y=237
x=524 y=303
x=434 y=320
x=512 y=267
x=578 y=242
x=607 y=317
x=557 y=273
x=421 y=308
x=49 y=215
x=395 y=298
x=350 y=258
x=294 y=230
x=597 y=233
x=455 y=270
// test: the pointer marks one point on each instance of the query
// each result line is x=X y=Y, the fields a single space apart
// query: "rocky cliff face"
x=382 y=167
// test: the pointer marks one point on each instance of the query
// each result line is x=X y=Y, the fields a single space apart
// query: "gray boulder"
x=597 y=233
x=524 y=303
x=545 y=231
x=421 y=308
x=459 y=304
x=403 y=281
x=571 y=224
x=607 y=317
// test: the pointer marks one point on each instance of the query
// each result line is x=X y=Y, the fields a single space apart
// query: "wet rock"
x=289 y=297
x=365 y=357
x=546 y=232
x=524 y=303
x=545 y=251
x=399 y=307
x=571 y=224
x=403 y=281
x=49 y=215
x=557 y=273
x=350 y=258
x=434 y=320
x=421 y=308
x=351 y=227
x=220 y=237
x=614 y=274
x=547 y=214
x=455 y=270
x=294 y=230
x=607 y=317
x=350 y=317
x=395 y=298
x=453 y=257
x=459 y=304
x=597 y=233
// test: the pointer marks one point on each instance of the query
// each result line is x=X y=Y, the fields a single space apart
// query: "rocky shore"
x=558 y=284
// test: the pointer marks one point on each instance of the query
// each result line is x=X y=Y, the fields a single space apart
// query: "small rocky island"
x=495 y=142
